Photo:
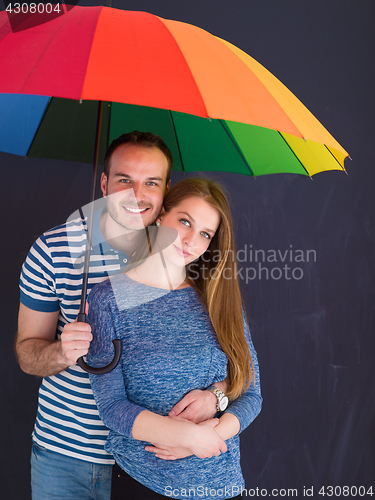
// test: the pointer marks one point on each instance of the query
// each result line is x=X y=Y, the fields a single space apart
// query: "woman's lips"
x=183 y=253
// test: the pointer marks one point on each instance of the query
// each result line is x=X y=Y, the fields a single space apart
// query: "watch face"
x=223 y=403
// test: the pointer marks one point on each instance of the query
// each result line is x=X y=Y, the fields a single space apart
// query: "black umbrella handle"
x=104 y=369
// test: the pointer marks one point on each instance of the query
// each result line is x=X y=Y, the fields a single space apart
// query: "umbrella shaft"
x=90 y=218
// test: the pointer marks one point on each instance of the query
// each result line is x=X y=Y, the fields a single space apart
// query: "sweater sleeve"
x=247 y=407
x=115 y=410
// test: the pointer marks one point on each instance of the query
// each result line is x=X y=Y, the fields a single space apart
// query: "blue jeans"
x=57 y=477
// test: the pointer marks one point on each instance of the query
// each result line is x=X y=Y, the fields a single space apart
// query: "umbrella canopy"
x=214 y=105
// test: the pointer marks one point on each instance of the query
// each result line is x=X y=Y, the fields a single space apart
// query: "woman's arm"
x=227 y=427
x=247 y=407
x=201 y=440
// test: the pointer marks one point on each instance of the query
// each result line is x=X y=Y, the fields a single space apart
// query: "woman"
x=179 y=316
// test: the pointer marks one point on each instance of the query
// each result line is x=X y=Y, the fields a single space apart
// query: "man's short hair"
x=144 y=139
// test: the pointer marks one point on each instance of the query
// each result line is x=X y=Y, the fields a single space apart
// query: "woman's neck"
x=155 y=272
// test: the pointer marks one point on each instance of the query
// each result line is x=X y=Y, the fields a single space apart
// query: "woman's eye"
x=185 y=222
x=206 y=235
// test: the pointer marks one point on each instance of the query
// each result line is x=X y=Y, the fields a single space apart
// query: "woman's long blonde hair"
x=214 y=276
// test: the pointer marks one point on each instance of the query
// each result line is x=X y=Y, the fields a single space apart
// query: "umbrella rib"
x=341 y=166
x=302 y=165
x=178 y=144
x=40 y=123
x=237 y=148
x=110 y=103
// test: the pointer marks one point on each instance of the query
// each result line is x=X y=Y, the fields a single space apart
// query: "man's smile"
x=138 y=210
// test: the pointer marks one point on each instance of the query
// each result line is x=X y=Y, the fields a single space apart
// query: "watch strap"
x=220 y=397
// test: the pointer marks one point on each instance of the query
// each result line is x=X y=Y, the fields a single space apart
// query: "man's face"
x=135 y=187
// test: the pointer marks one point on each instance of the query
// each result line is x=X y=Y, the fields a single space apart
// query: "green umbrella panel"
x=67 y=131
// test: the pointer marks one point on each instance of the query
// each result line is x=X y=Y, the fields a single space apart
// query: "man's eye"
x=125 y=181
x=151 y=183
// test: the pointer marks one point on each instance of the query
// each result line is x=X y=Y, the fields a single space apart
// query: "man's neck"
x=121 y=238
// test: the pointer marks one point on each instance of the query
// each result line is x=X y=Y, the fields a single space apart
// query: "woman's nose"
x=189 y=239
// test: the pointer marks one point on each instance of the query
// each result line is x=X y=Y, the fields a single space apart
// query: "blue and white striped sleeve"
x=37 y=280
x=247 y=407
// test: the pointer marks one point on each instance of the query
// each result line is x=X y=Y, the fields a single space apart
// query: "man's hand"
x=168 y=453
x=39 y=352
x=75 y=341
x=198 y=406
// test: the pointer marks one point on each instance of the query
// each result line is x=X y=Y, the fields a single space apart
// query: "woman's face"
x=196 y=222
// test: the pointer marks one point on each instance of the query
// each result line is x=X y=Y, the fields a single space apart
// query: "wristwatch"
x=222 y=399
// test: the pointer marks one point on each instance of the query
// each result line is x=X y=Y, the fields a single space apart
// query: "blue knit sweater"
x=169 y=348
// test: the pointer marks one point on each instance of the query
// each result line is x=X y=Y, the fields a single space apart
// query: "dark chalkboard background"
x=314 y=333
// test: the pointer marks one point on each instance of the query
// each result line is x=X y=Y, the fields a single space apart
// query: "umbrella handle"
x=104 y=369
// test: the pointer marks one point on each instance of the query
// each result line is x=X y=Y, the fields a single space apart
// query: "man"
x=68 y=458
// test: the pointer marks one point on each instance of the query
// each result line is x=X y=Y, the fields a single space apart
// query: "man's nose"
x=138 y=190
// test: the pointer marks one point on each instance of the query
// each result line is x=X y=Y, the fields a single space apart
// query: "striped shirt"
x=68 y=421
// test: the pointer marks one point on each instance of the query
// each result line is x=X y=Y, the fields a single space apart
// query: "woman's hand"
x=201 y=440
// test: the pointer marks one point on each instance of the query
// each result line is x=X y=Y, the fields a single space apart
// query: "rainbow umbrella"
x=68 y=87
x=215 y=106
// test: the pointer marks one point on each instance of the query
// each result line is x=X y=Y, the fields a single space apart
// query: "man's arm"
x=39 y=352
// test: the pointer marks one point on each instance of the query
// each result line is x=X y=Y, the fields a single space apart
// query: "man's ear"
x=167 y=187
x=103 y=184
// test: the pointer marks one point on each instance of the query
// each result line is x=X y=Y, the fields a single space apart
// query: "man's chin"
x=136 y=225
x=133 y=227
x=132 y=223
